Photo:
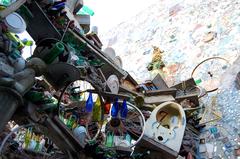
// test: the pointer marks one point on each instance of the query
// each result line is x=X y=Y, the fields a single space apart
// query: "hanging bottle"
x=109 y=140
x=124 y=109
x=128 y=139
x=107 y=106
x=97 y=110
x=37 y=139
x=89 y=103
x=114 y=110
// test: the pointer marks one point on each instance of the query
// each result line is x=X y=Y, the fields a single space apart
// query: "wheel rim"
x=208 y=75
x=122 y=127
x=78 y=102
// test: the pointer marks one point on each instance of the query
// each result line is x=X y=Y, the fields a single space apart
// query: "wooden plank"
x=158 y=99
x=124 y=89
x=188 y=83
x=169 y=91
x=120 y=96
x=109 y=94
x=131 y=79
x=148 y=107
x=159 y=82
x=94 y=37
x=36 y=153
x=11 y=8
x=123 y=150
x=157 y=150
x=46 y=30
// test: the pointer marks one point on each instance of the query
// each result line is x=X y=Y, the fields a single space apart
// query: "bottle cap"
x=15 y=23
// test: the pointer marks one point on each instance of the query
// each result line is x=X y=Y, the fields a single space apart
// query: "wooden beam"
x=158 y=99
x=159 y=82
x=124 y=89
x=109 y=94
x=188 y=83
x=169 y=91
x=157 y=150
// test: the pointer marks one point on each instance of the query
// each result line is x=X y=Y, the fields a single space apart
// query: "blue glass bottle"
x=124 y=109
x=89 y=103
x=114 y=110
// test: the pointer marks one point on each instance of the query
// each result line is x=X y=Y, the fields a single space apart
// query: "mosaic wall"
x=188 y=31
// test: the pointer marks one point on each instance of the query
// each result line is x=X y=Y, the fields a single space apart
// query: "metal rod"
x=65 y=31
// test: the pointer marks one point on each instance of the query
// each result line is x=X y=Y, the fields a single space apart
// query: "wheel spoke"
x=133 y=116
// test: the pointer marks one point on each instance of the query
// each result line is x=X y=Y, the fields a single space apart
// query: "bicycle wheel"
x=208 y=72
x=75 y=111
x=192 y=89
x=119 y=132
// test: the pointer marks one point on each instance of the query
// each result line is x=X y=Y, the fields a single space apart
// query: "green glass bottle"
x=37 y=147
x=97 y=110
x=109 y=140
x=70 y=122
x=27 y=138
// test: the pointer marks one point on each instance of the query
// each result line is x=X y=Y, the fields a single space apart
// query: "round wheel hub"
x=115 y=122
